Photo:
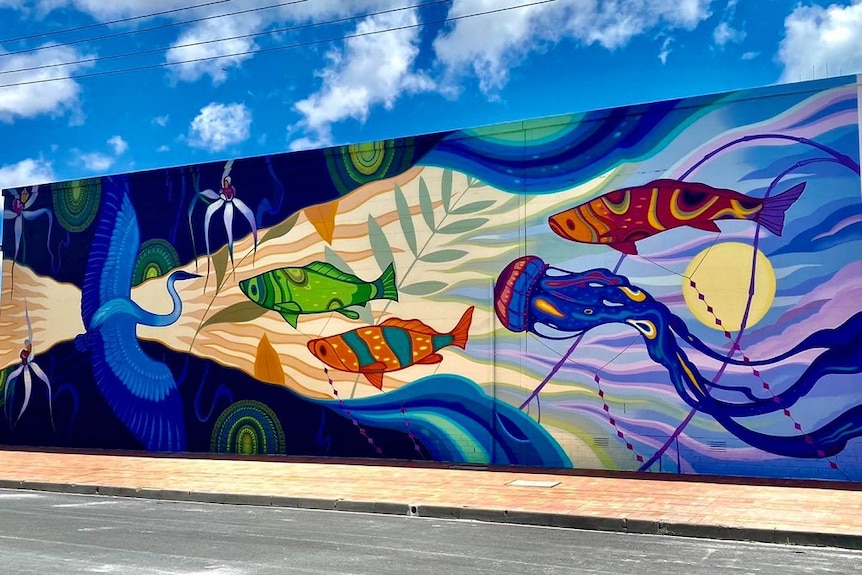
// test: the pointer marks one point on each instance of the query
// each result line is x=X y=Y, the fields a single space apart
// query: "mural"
x=670 y=287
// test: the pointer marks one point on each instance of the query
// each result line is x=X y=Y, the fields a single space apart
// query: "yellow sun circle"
x=722 y=274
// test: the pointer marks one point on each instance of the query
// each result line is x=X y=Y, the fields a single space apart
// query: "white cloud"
x=750 y=55
x=25 y=173
x=665 y=50
x=819 y=39
x=35 y=99
x=370 y=70
x=161 y=120
x=96 y=161
x=491 y=45
x=119 y=144
x=218 y=126
x=724 y=33
x=163 y=148
x=113 y=9
x=218 y=55
x=202 y=31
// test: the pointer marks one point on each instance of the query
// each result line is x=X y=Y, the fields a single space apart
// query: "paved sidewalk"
x=810 y=513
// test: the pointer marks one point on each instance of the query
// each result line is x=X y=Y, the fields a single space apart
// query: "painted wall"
x=671 y=287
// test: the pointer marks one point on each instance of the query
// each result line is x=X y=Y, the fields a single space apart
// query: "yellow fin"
x=267 y=364
x=322 y=217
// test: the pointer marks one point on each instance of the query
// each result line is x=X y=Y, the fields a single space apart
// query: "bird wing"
x=113 y=251
x=140 y=390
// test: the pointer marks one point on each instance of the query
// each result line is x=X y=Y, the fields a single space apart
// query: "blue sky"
x=549 y=58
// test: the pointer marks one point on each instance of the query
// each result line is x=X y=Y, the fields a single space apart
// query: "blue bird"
x=140 y=390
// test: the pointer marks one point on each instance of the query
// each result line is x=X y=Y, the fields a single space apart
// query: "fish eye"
x=570 y=224
x=253 y=289
x=321 y=349
x=588 y=311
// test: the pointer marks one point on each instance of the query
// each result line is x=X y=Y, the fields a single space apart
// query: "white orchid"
x=26 y=371
x=226 y=197
x=21 y=204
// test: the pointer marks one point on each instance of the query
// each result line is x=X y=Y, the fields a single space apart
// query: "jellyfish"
x=553 y=303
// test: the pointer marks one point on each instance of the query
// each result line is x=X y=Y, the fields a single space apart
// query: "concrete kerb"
x=515 y=517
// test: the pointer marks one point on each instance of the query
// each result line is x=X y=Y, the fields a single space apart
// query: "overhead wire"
x=226 y=39
x=118 y=21
x=126 y=33
x=274 y=48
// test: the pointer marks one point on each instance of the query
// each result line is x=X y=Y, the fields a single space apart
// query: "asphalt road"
x=62 y=534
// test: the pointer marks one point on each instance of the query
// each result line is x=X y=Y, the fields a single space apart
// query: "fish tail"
x=771 y=215
x=385 y=284
x=461 y=331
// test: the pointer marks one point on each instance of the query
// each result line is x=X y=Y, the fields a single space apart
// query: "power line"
x=274 y=48
x=204 y=42
x=152 y=28
x=120 y=21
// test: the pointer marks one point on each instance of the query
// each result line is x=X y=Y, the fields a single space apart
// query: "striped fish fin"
x=431 y=359
x=413 y=325
x=331 y=271
x=374 y=378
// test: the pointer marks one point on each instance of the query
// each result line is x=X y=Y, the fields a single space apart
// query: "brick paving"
x=795 y=507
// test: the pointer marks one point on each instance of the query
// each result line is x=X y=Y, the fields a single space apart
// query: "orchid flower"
x=226 y=197
x=26 y=370
x=21 y=204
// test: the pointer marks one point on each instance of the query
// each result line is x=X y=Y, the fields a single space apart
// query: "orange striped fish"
x=390 y=346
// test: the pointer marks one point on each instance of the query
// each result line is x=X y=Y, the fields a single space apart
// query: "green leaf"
x=379 y=244
x=446 y=189
x=473 y=207
x=280 y=229
x=237 y=313
x=219 y=260
x=508 y=205
x=463 y=226
x=406 y=219
x=365 y=314
x=443 y=256
x=425 y=203
x=333 y=258
x=476 y=183
x=423 y=288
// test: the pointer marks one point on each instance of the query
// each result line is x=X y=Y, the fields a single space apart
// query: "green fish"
x=316 y=288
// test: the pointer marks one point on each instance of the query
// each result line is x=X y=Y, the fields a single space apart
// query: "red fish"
x=623 y=217
x=390 y=346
